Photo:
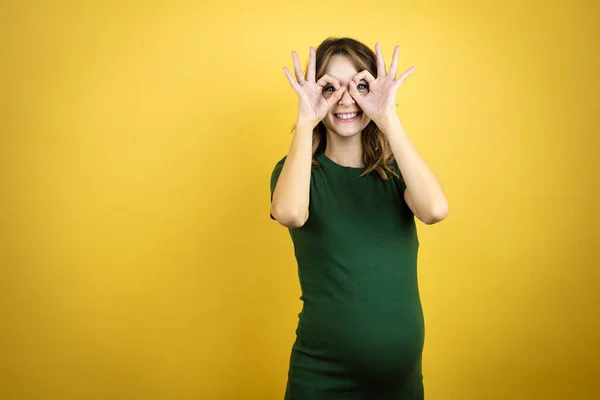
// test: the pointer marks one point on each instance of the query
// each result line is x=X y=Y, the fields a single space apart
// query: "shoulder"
x=279 y=164
x=399 y=177
x=277 y=170
x=281 y=161
x=396 y=168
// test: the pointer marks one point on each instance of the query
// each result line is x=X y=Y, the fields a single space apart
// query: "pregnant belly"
x=383 y=342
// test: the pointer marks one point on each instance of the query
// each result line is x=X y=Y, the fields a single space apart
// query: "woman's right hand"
x=313 y=105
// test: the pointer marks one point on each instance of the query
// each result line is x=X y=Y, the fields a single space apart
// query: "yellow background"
x=137 y=142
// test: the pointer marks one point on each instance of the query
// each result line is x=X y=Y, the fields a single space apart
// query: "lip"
x=358 y=115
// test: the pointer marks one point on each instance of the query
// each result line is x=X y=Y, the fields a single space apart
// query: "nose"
x=346 y=99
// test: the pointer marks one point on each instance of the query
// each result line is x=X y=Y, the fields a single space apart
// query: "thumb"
x=336 y=96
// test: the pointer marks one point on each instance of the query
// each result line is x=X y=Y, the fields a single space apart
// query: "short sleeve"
x=275 y=176
x=400 y=179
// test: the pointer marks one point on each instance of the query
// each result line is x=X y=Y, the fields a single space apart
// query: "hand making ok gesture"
x=379 y=103
x=313 y=106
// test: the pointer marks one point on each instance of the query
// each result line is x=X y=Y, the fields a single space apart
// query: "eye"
x=328 y=91
x=362 y=86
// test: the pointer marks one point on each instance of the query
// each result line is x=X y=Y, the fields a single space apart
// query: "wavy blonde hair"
x=377 y=152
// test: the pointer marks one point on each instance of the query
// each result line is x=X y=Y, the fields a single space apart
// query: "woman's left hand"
x=379 y=103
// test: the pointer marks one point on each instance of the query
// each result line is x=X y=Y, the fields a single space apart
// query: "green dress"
x=361 y=332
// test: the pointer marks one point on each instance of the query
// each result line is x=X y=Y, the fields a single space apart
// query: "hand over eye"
x=315 y=97
x=379 y=100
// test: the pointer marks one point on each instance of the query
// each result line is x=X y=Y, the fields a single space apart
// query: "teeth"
x=346 y=116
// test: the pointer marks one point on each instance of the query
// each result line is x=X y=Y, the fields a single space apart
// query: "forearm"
x=426 y=194
x=292 y=192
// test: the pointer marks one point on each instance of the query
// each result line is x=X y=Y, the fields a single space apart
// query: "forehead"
x=341 y=68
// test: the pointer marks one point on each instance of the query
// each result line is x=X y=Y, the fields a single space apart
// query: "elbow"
x=289 y=218
x=437 y=214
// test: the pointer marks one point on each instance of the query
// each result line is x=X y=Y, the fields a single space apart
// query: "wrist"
x=306 y=124
x=389 y=123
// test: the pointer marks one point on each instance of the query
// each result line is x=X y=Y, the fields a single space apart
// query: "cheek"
x=365 y=120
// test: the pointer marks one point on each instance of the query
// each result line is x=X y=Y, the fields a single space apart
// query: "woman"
x=348 y=190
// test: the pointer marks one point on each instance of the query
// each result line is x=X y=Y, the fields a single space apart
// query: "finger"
x=354 y=92
x=336 y=96
x=310 y=76
x=380 y=62
x=325 y=79
x=363 y=75
x=402 y=77
x=297 y=67
x=394 y=66
x=291 y=79
x=407 y=73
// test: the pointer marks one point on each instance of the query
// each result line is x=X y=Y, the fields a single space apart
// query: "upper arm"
x=274 y=178
x=409 y=203
x=402 y=186
x=406 y=193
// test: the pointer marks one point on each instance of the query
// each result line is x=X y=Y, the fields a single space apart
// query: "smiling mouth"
x=347 y=117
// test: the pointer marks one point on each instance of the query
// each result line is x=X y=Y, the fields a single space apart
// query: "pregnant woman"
x=349 y=190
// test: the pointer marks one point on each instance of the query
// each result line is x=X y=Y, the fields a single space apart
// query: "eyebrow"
x=344 y=83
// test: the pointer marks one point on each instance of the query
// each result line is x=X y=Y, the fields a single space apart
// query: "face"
x=344 y=118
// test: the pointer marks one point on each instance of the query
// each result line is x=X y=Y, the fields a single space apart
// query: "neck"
x=346 y=151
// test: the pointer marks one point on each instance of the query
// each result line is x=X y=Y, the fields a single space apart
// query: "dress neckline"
x=322 y=157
